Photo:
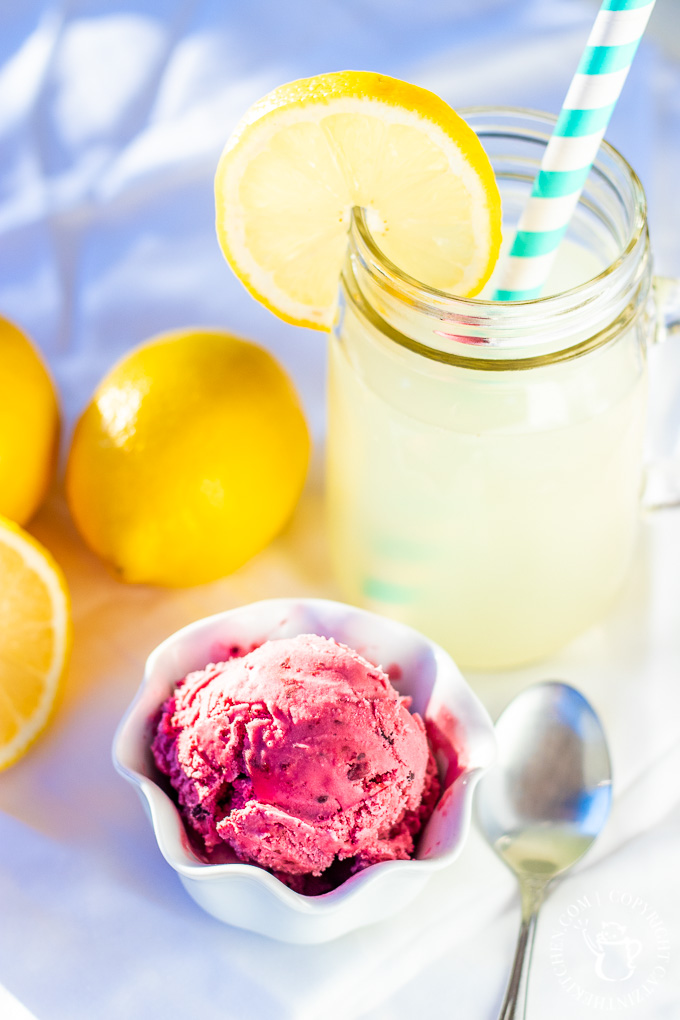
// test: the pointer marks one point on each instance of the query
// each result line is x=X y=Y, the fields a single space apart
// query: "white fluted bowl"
x=245 y=895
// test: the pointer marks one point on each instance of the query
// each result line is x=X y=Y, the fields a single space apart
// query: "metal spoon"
x=543 y=803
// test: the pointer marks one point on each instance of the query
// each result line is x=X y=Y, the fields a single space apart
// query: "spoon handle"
x=515 y=1001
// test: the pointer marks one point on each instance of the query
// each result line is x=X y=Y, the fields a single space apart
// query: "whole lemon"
x=29 y=425
x=188 y=460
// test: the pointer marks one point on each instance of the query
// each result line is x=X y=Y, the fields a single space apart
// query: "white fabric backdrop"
x=112 y=117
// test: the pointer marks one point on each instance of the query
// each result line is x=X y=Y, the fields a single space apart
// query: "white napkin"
x=11 y=1008
x=112 y=117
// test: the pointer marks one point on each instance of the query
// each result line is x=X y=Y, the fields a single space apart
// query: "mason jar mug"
x=485 y=459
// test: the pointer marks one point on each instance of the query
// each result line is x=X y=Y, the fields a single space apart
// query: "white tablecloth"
x=112 y=117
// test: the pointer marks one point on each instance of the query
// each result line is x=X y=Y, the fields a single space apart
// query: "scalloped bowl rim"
x=161 y=807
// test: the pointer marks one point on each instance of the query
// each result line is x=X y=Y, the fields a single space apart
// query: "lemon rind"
x=341 y=92
x=41 y=562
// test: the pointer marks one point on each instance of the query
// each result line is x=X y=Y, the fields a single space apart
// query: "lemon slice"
x=308 y=152
x=35 y=639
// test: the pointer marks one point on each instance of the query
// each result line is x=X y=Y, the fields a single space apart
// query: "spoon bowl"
x=544 y=802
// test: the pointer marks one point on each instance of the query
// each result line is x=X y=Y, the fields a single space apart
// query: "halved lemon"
x=308 y=152
x=35 y=638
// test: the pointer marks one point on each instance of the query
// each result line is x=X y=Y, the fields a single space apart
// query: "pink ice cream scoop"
x=298 y=754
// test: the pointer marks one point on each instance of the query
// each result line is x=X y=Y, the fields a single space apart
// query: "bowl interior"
x=459 y=727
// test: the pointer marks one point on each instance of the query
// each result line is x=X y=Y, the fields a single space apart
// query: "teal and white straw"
x=573 y=146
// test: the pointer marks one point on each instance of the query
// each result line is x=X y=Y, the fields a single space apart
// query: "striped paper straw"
x=570 y=153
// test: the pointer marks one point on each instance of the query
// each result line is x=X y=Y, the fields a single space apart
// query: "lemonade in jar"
x=484 y=459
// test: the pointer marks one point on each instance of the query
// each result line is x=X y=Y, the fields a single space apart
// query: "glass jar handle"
x=662 y=483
